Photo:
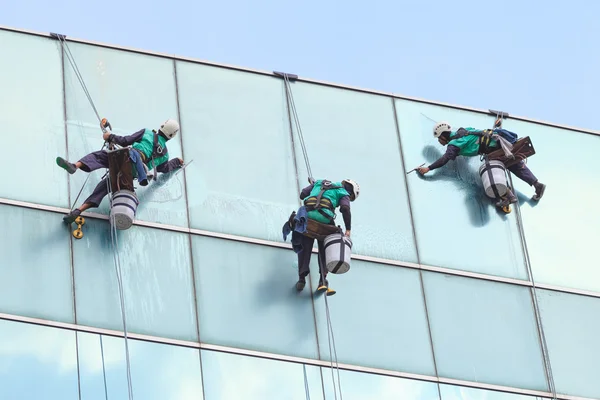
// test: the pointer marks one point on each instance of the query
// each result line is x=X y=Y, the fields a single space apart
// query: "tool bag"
x=320 y=231
x=522 y=149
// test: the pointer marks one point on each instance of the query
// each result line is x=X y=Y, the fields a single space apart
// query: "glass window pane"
x=158 y=371
x=235 y=128
x=35 y=277
x=353 y=135
x=157 y=282
x=37 y=362
x=451 y=392
x=361 y=386
x=247 y=298
x=484 y=331
x=571 y=328
x=394 y=306
x=32 y=111
x=134 y=92
x=456 y=223
x=235 y=377
x=567 y=206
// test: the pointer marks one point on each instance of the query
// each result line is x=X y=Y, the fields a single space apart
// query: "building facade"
x=446 y=298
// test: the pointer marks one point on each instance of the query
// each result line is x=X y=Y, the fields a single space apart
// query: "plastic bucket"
x=493 y=177
x=338 y=249
x=124 y=206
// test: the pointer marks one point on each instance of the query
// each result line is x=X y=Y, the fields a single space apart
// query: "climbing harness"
x=330 y=336
x=538 y=315
x=113 y=232
x=320 y=204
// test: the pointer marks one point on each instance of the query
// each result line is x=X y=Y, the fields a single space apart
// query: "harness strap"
x=319 y=203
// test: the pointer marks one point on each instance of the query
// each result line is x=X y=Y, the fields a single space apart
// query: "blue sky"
x=534 y=58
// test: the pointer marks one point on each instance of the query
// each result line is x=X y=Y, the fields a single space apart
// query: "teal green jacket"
x=337 y=197
x=467 y=146
x=143 y=140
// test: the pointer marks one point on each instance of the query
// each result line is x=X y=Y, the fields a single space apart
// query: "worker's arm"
x=451 y=154
x=169 y=166
x=345 y=210
x=124 y=140
x=306 y=191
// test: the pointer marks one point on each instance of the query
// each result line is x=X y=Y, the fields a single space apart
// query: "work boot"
x=67 y=166
x=539 y=190
x=301 y=283
x=324 y=286
x=72 y=216
x=503 y=202
x=511 y=197
x=144 y=182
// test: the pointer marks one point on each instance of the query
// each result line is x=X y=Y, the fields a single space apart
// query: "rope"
x=331 y=340
x=103 y=368
x=113 y=232
x=67 y=52
x=538 y=315
x=306 y=386
x=330 y=335
x=292 y=103
x=117 y=262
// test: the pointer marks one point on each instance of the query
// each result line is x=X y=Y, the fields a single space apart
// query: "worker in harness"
x=321 y=198
x=148 y=150
x=471 y=142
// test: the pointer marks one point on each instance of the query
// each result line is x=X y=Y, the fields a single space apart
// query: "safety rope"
x=306 y=385
x=538 y=315
x=527 y=260
x=330 y=335
x=113 y=232
x=103 y=368
x=67 y=52
x=292 y=103
x=331 y=340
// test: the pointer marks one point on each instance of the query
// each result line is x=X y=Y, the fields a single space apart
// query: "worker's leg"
x=323 y=283
x=304 y=261
x=523 y=172
x=92 y=201
x=89 y=163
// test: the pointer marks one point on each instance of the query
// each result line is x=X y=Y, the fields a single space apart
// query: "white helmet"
x=170 y=128
x=440 y=128
x=355 y=187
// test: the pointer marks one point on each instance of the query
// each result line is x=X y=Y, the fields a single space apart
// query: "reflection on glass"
x=158 y=371
x=134 y=92
x=456 y=223
x=32 y=111
x=352 y=135
x=35 y=277
x=571 y=196
x=235 y=128
x=37 y=362
x=571 y=328
x=451 y=392
x=484 y=331
x=157 y=281
x=368 y=328
x=247 y=298
x=362 y=386
x=234 y=377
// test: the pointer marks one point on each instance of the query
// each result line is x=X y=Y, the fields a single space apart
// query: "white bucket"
x=338 y=249
x=124 y=206
x=493 y=177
